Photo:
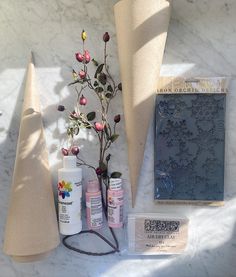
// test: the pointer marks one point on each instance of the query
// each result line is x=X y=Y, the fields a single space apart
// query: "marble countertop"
x=201 y=42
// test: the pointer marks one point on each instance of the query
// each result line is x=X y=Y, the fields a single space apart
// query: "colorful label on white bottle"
x=69 y=213
x=69 y=201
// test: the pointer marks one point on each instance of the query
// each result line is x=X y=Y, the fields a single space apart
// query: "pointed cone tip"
x=31 y=60
x=134 y=193
x=124 y=33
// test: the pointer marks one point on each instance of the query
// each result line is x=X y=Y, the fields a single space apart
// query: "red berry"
x=87 y=56
x=99 y=126
x=74 y=114
x=106 y=37
x=75 y=150
x=117 y=118
x=82 y=74
x=65 y=152
x=99 y=171
x=83 y=101
x=79 y=57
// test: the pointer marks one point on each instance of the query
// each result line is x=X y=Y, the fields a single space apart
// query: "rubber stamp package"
x=190 y=140
x=156 y=234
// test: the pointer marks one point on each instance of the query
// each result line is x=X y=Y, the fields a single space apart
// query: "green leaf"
x=85 y=125
x=108 y=95
x=103 y=166
x=76 y=131
x=106 y=132
x=102 y=78
x=108 y=157
x=109 y=88
x=70 y=132
x=99 y=89
x=99 y=70
x=95 y=83
x=95 y=62
x=91 y=116
x=116 y=174
x=120 y=86
x=114 y=137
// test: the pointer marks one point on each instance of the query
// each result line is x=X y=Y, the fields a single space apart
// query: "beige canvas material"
x=31 y=258
x=31 y=228
x=141 y=29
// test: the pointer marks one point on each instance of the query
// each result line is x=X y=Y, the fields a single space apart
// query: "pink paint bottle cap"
x=93 y=186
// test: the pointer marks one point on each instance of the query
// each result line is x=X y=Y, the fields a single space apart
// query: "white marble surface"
x=201 y=42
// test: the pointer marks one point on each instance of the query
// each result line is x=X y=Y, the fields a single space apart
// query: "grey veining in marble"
x=201 y=42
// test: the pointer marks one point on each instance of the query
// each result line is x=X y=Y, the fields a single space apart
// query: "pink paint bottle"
x=115 y=203
x=94 y=205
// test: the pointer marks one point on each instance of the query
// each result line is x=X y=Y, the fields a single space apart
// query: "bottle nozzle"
x=69 y=162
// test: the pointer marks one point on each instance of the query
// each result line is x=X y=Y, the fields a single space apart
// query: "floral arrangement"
x=102 y=86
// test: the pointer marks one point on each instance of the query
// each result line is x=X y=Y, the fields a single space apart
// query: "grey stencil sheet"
x=189 y=147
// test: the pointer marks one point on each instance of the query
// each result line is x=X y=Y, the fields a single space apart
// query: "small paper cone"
x=141 y=29
x=31 y=228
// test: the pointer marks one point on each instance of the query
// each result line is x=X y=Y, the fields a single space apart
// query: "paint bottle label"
x=115 y=205
x=69 y=202
x=69 y=197
x=95 y=209
x=94 y=205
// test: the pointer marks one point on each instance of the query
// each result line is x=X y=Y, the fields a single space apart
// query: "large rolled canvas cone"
x=31 y=228
x=141 y=28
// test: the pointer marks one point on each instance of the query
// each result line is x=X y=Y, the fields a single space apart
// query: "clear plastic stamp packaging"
x=190 y=140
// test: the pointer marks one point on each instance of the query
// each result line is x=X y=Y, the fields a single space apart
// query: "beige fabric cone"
x=141 y=28
x=31 y=228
